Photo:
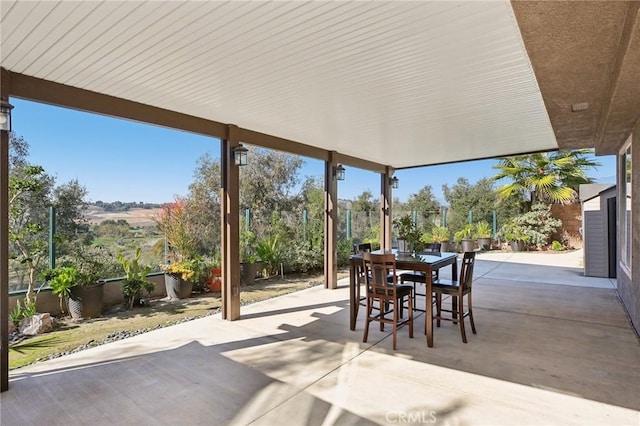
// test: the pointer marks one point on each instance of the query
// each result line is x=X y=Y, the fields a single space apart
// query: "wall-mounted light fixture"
x=5 y=115
x=338 y=172
x=240 y=155
x=393 y=182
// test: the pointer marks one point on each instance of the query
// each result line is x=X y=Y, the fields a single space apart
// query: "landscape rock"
x=37 y=324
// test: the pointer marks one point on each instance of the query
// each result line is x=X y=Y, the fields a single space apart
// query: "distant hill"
x=135 y=216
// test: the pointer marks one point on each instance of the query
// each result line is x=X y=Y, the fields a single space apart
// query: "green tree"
x=31 y=193
x=365 y=218
x=550 y=177
x=267 y=188
x=481 y=199
x=425 y=204
x=203 y=203
x=267 y=184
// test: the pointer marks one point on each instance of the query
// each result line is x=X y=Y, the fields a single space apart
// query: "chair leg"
x=438 y=308
x=383 y=313
x=461 y=319
x=410 y=317
x=454 y=308
x=395 y=326
x=470 y=307
x=367 y=320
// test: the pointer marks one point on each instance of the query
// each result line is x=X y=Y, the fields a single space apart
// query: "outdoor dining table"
x=425 y=262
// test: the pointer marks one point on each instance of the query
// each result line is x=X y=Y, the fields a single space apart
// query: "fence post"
x=495 y=224
x=305 y=220
x=470 y=217
x=444 y=216
x=166 y=249
x=414 y=218
x=52 y=233
x=348 y=224
x=247 y=217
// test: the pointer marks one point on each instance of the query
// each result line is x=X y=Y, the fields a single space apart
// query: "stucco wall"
x=629 y=284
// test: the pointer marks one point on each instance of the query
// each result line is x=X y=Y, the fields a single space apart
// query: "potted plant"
x=440 y=234
x=214 y=281
x=465 y=237
x=270 y=253
x=517 y=235
x=248 y=256
x=61 y=280
x=180 y=277
x=408 y=236
x=483 y=233
x=135 y=281
x=77 y=282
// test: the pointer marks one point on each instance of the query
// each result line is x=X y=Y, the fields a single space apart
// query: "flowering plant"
x=194 y=270
x=175 y=223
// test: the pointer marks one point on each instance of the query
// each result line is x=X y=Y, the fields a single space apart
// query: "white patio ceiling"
x=397 y=83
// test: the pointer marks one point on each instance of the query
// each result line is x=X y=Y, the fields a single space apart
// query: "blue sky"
x=127 y=161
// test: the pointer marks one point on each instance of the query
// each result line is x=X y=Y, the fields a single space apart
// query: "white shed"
x=599 y=229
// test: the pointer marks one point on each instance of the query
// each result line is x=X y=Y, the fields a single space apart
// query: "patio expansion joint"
x=552 y=318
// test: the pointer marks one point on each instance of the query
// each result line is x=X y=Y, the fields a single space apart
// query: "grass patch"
x=72 y=335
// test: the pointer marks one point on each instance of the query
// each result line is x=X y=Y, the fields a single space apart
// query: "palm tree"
x=552 y=177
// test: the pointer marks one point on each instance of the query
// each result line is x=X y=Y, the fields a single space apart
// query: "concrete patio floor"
x=553 y=347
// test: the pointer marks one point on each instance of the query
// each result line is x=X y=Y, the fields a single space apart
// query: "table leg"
x=428 y=316
x=353 y=303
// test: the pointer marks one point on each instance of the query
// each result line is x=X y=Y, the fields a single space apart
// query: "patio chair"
x=457 y=290
x=360 y=249
x=417 y=277
x=387 y=294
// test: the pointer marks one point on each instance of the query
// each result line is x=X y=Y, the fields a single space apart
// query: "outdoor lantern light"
x=338 y=172
x=240 y=155
x=394 y=182
x=5 y=115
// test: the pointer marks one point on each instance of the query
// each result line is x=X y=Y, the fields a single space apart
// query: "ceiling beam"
x=39 y=90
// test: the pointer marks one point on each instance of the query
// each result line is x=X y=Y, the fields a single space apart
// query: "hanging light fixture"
x=338 y=172
x=5 y=115
x=240 y=155
x=393 y=182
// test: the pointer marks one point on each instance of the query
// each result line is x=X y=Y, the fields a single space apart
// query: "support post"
x=330 y=223
x=385 y=209
x=4 y=247
x=230 y=217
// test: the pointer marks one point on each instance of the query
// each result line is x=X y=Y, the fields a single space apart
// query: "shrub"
x=557 y=246
x=23 y=311
x=534 y=227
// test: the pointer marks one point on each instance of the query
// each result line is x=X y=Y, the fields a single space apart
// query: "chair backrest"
x=466 y=271
x=433 y=248
x=361 y=248
x=378 y=267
